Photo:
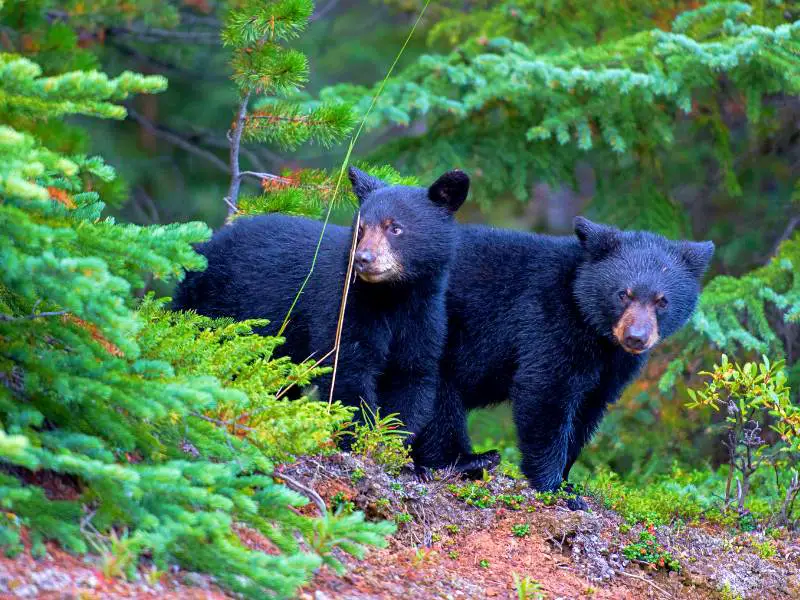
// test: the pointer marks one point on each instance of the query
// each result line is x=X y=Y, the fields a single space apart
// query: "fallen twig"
x=307 y=491
x=647 y=581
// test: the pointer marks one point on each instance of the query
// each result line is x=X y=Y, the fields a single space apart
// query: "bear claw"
x=473 y=465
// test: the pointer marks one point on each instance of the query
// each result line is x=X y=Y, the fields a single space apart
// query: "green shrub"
x=647 y=550
x=474 y=494
x=521 y=529
x=382 y=439
x=756 y=398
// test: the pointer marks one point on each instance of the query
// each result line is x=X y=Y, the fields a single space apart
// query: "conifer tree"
x=269 y=77
x=136 y=413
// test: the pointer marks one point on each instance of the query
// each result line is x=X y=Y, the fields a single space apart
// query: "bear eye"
x=395 y=229
x=661 y=302
x=624 y=295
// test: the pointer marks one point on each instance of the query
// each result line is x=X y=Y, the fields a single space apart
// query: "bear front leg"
x=585 y=423
x=544 y=428
x=411 y=395
x=444 y=440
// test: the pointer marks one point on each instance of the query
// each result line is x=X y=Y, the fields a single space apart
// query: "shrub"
x=521 y=529
x=382 y=439
x=761 y=428
x=648 y=551
x=474 y=494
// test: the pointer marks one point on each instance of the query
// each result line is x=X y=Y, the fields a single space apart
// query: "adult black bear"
x=559 y=326
x=395 y=322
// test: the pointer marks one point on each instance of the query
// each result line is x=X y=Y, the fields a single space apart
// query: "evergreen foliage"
x=136 y=430
x=529 y=89
x=268 y=74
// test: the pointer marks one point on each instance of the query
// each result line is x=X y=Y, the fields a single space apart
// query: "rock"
x=51 y=579
x=26 y=591
x=196 y=580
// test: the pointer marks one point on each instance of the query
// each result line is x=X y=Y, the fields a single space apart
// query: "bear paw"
x=473 y=465
x=575 y=501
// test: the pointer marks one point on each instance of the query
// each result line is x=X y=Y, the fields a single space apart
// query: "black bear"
x=395 y=320
x=559 y=326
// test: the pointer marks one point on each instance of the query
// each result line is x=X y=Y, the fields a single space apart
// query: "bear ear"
x=598 y=240
x=363 y=184
x=696 y=256
x=450 y=190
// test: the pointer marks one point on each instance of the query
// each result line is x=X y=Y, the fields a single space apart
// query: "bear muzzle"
x=374 y=259
x=637 y=329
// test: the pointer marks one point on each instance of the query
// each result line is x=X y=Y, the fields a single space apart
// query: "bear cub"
x=395 y=320
x=557 y=325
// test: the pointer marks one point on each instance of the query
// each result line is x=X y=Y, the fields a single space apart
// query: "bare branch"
x=210 y=38
x=647 y=581
x=323 y=11
x=177 y=140
x=299 y=487
x=790 y=227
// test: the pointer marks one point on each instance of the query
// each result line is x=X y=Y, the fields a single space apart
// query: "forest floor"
x=457 y=539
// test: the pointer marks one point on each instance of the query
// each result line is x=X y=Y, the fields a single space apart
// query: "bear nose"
x=636 y=337
x=364 y=258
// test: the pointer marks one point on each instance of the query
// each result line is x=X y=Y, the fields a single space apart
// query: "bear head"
x=637 y=287
x=406 y=233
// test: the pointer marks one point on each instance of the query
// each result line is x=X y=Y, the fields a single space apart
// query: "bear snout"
x=374 y=259
x=637 y=328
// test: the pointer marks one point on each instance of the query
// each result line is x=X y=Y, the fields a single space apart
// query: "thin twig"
x=647 y=581
x=794 y=222
x=323 y=11
x=41 y=315
x=221 y=422
x=177 y=140
x=299 y=487
x=340 y=321
x=232 y=209
x=269 y=176
x=235 y=137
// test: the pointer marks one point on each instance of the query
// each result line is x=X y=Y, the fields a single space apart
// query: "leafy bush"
x=648 y=551
x=756 y=397
x=229 y=351
x=382 y=439
x=474 y=494
x=521 y=530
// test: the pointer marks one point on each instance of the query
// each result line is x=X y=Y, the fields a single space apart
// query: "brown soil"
x=451 y=550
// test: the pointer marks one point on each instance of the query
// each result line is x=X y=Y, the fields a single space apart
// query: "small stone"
x=320 y=595
x=51 y=579
x=26 y=591
x=88 y=580
x=196 y=580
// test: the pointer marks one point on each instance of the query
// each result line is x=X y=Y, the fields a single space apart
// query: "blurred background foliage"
x=681 y=117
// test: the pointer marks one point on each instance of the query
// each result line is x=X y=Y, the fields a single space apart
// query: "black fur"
x=393 y=331
x=530 y=320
